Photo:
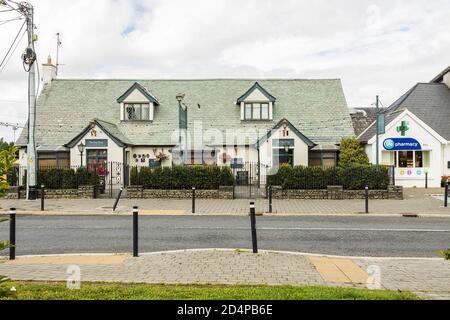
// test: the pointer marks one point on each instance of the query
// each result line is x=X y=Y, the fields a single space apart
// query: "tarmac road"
x=353 y=236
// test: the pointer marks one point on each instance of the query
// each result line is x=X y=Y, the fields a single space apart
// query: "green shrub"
x=352 y=153
x=351 y=177
x=65 y=178
x=182 y=178
x=134 y=176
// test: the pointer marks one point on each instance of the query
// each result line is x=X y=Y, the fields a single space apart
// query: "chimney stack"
x=49 y=71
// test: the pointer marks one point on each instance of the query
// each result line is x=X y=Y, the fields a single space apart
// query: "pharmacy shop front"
x=417 y=152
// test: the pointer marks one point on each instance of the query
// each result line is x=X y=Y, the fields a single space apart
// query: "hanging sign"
x=381 y=123
x=402 y=144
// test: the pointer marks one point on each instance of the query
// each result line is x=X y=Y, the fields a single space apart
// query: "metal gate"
x=250 y=180
x=110 y=178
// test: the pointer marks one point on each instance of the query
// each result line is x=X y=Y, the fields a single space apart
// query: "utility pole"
x=29 y=61
x=378 y=133
x=29 y=64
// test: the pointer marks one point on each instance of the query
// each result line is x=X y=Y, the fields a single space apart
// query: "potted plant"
x=161 y=157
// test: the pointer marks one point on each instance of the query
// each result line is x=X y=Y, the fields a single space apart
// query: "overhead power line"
x=12 y=45
x=13 y=51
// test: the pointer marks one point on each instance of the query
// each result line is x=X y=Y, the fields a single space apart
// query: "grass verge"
x=106 y=291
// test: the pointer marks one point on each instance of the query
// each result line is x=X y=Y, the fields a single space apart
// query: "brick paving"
x=430 y=278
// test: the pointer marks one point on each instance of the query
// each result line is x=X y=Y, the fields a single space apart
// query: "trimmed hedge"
x=352 y=177
x=65 y=178
x=181 y=178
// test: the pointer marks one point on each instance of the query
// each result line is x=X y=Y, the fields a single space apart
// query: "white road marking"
x=312 y=229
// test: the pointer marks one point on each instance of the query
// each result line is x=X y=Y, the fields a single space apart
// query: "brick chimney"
x=49 y=71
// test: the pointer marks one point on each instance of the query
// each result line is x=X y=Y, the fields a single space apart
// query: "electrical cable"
x=12 y=45
x=10 y=20
x=14 y=50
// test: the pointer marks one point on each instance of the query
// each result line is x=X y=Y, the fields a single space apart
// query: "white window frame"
x=253 y=106
x=139 y=112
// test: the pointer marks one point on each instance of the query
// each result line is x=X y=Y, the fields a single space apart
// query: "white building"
x=417 y=137
x=230 y=122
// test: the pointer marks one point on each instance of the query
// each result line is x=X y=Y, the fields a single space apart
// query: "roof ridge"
x=402 y=99
x=97 y=119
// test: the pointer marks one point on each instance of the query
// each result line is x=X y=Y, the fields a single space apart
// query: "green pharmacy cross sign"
x=404 y=128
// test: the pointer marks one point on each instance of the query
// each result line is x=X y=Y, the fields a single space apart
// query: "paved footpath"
x=417 y=201
x=429 y=278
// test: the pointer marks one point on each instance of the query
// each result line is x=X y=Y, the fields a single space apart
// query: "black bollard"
x=270 y=199
x=253 y=227
x=426 y=180
x=117 y=200
x=12 y=234
x=193 y=200
x=135 y=232
x=42 y=197
x=367 y=198
x=446 y=195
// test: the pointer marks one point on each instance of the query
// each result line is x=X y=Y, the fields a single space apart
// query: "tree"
x=4 y=144
x=352 y=153
x=7 y=160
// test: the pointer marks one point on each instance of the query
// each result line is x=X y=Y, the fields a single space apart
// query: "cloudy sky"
x=376 y=47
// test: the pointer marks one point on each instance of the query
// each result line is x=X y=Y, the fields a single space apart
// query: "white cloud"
x=376 y=47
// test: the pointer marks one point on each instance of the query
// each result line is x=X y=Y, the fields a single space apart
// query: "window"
x=409 y=159
x=137 y=112
x=97 y=158
x=264 y=111
x=406 y=159
x=322 y=159
x=256 y=111
x=248 y=111
x=53 y=160
x=419 y=159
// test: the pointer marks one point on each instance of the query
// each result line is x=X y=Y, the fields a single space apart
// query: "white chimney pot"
x=49 y=71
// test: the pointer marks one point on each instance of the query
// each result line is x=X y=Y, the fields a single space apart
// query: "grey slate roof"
x=428 y=101
x=362 y=118
x=317 y=108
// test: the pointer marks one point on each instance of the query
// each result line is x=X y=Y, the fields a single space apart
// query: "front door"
x=97 y=160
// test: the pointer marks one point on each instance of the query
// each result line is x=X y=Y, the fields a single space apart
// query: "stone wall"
x=138 y=192
x=84 y=192
x=338 y=193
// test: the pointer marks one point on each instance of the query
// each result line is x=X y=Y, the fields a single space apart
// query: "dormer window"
x=256 y=104
x=137 y=104
x=137 y=112
x=257 y=111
